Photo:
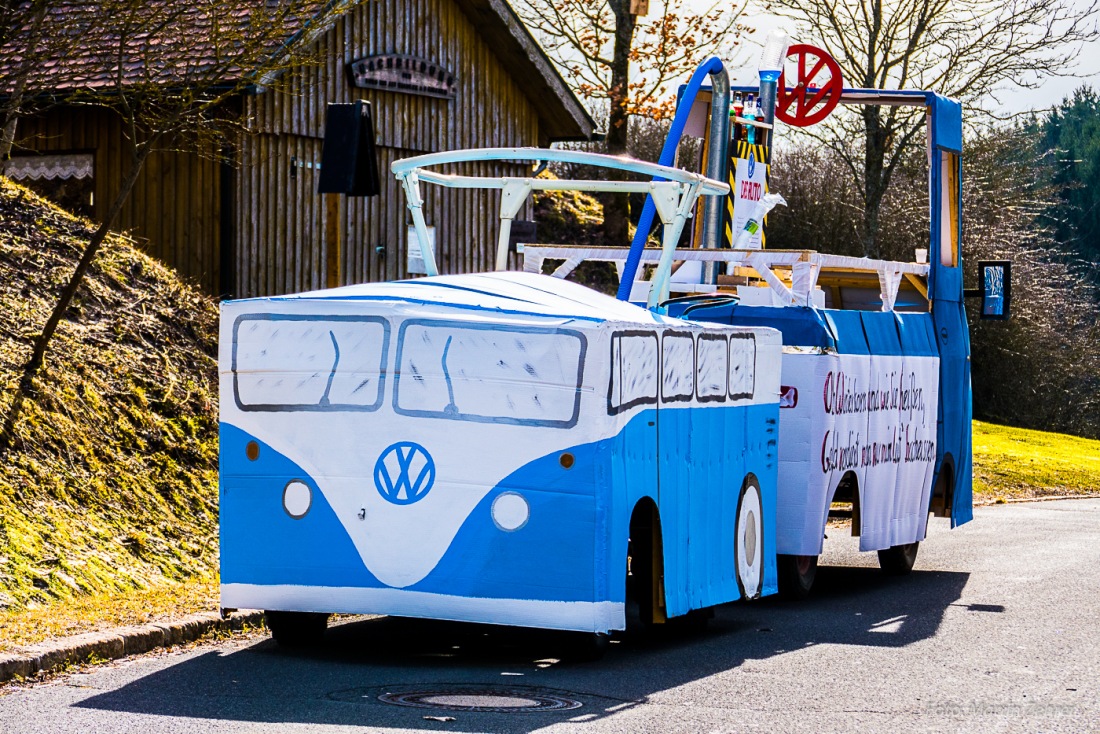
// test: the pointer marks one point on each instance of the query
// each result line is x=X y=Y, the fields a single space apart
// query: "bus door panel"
x=719 y=445
x=632 y=458
x=954 y=438
x=677 y=389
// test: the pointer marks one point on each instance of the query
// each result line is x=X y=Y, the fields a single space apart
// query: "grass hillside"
x=111 y=481
x=1018 y=463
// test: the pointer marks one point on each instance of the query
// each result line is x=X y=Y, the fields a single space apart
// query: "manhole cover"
x=492 y=700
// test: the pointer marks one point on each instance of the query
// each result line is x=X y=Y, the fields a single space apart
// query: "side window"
x=949 y=209
x=633 y=370
x=742 y=374
x=712 y=368
x=677 y=367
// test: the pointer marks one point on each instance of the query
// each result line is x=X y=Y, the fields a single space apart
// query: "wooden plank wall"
x=173 y=211
x=279 y=228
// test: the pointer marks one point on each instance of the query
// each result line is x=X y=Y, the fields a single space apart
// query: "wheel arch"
x=645 y=558
x=846 y=490
x=942 y=498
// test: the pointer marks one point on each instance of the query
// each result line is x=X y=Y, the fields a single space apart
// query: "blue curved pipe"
x=712 y=65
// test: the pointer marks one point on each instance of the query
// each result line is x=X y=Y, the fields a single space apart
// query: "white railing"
x=805 y=266
x=674 y=191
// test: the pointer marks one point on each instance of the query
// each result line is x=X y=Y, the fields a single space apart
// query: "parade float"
x=513 y=448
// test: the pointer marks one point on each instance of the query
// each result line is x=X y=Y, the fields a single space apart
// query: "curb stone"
x=46 y=657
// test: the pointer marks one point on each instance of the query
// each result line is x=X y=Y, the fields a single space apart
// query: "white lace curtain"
x=50 y=167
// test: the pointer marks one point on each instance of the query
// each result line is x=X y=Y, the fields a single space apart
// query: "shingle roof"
x=192 y=38
x=189 y=29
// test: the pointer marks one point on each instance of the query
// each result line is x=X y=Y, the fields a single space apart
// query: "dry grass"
x=111 y=483
x=96 y=612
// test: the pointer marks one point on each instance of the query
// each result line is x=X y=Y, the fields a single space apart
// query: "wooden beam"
x=332 y=241
x=915 y=281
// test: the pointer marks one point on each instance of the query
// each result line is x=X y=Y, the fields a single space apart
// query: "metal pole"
x=768 y=88
x=717 y=166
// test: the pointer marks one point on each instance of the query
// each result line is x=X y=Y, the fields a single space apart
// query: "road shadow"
x=339 y=682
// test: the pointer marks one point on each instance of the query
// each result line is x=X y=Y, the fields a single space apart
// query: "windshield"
x=288 y=363
x=489 y=373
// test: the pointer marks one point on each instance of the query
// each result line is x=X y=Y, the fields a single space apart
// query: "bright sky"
x=1014 y=99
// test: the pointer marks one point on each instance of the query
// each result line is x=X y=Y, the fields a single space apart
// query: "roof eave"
x=562 y=115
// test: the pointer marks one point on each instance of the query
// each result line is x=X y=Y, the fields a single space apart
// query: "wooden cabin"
x=255 y=225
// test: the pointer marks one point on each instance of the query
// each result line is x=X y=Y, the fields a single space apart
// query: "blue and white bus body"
x=859 y=404
x=473 y=447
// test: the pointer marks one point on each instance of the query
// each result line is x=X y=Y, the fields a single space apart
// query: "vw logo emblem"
x=404 y=473
x=752 y=164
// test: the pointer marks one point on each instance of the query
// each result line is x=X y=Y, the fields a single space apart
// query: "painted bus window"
x=633 y=370
x=474 y=372
x=712 y=368
x=309 y=364
x=742 y=377
x=677 y=367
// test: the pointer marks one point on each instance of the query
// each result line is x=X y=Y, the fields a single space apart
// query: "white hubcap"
x=750 y=543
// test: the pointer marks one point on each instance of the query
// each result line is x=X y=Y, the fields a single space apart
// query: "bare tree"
x=169 y=69
x=972 y=50
x=626 y=53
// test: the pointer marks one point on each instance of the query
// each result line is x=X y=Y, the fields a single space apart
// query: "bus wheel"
x=296 y=629
x=796 y=576
x=748 y=534
x=898 y=560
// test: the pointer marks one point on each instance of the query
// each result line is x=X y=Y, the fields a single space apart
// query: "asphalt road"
x=995 y=630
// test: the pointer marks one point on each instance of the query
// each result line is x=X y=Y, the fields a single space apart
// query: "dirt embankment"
x=111 y=482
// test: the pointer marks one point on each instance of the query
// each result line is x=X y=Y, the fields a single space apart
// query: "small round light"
x=510 y=511
x=297 y=498
x=566 y=460
x=252 y=450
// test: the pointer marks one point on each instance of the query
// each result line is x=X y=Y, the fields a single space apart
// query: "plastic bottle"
x=771 y=67
x=737 y=110
x=775 y=51
x=750 y=114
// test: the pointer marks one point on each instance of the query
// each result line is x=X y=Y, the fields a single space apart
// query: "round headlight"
x=297 y=498
x=510 y=511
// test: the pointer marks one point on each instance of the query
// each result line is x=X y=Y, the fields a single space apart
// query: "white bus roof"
x=500 y=293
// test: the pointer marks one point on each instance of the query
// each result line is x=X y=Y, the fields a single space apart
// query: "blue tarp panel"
x=917 y=334
x=805 y=327
x=848 y=328
x=946 y=124
x=881 y=330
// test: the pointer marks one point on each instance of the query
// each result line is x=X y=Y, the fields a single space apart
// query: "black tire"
x=296 y=629
x=898 y=560
x=796 y=576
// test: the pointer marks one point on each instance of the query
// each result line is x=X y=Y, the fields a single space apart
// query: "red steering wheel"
x=817 y=91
